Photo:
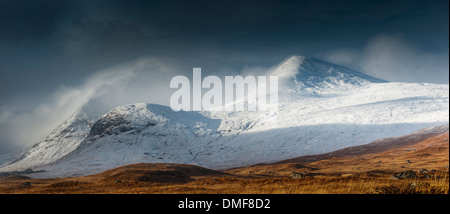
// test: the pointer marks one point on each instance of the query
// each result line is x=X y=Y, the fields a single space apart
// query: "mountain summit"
x=309 y=75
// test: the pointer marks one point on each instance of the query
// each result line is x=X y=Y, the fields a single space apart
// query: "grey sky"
x=49 y=46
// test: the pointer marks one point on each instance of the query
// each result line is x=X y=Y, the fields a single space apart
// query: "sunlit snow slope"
x=322 y=107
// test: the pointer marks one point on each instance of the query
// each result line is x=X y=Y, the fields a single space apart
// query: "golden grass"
x=325 y=184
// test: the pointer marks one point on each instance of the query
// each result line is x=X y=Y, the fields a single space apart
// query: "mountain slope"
x=140 y=133
x=424 y=149
x=322 y=108
x=422 y=139
x=60 y=142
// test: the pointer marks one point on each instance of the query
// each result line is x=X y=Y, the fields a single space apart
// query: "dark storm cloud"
x=47 y=45
x=29 y=20
x=88 y=35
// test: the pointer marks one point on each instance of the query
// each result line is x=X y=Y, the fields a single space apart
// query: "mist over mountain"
x=323 y=107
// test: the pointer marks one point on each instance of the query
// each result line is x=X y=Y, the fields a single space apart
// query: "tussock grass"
x=365 y=183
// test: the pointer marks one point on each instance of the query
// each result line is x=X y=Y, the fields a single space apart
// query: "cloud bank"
x=142 y=80
x=391 y=57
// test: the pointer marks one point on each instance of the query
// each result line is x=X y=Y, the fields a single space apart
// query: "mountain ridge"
x=358 y=112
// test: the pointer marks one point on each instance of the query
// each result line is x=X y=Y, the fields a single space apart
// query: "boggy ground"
x=407 y=168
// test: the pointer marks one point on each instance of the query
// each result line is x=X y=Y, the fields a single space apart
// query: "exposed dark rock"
x=408 y=174
x=25 y=184
x=109 y=126
x=394 y=177
x=114 y=123
x=423 y=171
x=296 y=175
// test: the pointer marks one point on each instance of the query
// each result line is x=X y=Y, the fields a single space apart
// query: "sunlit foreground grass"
x=325 y=184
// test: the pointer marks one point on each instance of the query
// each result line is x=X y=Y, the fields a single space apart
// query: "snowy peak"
x=308 y=75
x=130 y=118
x=61 y=141
x=143 y=118
x=289 y=68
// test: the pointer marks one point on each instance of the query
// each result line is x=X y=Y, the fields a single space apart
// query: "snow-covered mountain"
x=322 y=107
x=60 y=142
x=317 y=77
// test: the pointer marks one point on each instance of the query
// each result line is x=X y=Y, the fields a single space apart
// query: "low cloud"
x=392 y=58
x=140 y=81
x=344 y=56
